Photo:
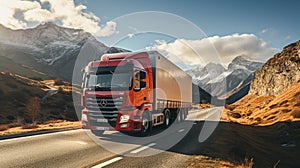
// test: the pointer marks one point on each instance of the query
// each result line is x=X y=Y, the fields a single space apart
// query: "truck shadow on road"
x=234 y=142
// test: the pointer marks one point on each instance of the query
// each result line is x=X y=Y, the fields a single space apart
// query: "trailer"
x=133 y=92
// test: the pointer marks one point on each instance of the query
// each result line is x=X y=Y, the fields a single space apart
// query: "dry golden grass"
x=50 y=125
x=30 y=126
x=204 y=106
x=265 y=110
x=205 y=161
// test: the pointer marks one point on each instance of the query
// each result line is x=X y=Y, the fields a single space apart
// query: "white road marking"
x=41 y=135
x=181 y=130
x=142 y=148
x=108 y=162
x=110 y=132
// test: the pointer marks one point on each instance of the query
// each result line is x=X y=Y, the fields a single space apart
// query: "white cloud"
x=287 y=38
x=9 y=8
x=130 y=35
x=38 y=15
x=64 y=11
x=215 y=49
x=264 y=31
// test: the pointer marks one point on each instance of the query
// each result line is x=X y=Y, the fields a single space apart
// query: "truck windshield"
x=110 y=78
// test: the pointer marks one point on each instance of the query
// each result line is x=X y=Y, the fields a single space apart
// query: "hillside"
x=9 y=65
x=274 y=94
x=266 y=110
x=51 y=49
x=15 y=91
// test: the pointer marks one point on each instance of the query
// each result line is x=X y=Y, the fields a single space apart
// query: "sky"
x=276 y=22
x=190 y=33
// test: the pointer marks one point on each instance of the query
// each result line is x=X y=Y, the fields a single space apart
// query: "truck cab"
x=119 y=94
x=116 y=89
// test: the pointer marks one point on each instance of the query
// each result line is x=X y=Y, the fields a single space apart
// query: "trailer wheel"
x=186 y=113
x=180 y=115
x=146 y=123
x=167 y=118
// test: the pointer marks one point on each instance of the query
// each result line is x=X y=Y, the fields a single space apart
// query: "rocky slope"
x=279 y=73
x=49 y=48
x=274 y=93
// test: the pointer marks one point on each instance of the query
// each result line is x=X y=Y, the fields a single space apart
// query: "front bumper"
x=132 y=125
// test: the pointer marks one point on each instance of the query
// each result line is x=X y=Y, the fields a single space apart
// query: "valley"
x=260 y=101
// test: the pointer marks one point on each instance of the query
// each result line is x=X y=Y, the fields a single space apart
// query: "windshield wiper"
x=98 y=87
x=116 y=85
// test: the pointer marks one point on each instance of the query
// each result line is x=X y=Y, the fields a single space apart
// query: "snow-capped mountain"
x=222 y=82
x=49 y=48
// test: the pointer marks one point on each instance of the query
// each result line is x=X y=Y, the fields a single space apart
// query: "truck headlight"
x=124 y=118
x=84 y=117
x=124 y=125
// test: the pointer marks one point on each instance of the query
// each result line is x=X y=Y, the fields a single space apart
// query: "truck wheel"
x=186 y=113
x=97 y=132
x=146 y=123
x=180 y=115
x=167 y=118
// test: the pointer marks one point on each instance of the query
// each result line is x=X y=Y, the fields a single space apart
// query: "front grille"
x=103 y=109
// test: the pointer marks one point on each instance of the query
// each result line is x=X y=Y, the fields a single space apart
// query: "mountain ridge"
x=50 y=48
x=228 y=84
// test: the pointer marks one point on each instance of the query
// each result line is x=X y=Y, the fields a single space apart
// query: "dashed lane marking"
x=181 y=130
x=142 y=148
x=108 y=162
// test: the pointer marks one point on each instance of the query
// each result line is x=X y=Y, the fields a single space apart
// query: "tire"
x=186 y=113
x=167 y=120
x=97 y=132
x=146 y=124
x=180 y=115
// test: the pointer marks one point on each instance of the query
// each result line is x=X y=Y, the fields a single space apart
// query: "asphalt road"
x=79 y=148
x=63 y=149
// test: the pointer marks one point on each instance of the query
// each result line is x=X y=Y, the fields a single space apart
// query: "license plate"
x=102 y=120
x=102 y=128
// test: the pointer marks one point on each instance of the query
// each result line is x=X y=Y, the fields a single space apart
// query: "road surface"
x=50 y=92
x=79 y=148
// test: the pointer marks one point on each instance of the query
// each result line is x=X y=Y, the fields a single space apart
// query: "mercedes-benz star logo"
x=103 y=102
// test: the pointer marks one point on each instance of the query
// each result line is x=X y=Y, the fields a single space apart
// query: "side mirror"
x=143 y=84
x=142 y=75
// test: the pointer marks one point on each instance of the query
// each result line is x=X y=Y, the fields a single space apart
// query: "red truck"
x=134 y=91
